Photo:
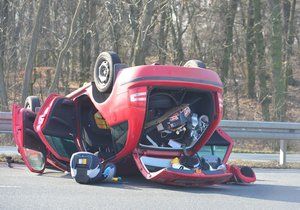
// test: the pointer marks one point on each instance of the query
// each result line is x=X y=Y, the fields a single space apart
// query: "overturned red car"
x=159 y=120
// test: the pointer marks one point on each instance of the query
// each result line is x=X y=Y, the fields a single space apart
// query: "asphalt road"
x=10 y=150
x=20 y=189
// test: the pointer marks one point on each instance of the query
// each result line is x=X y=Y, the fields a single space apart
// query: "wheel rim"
x=103 y=72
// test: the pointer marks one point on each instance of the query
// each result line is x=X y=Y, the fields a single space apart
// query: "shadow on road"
x=261 y=190
x=257 y=190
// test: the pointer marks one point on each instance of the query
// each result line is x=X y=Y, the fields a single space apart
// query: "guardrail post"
x=282 y=155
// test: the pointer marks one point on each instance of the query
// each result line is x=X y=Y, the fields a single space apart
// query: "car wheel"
x=32 y=102
x=195 y=63
x=104 y=71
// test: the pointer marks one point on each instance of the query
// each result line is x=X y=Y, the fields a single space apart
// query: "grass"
x=238 y=150
x=15 y=158
x=253 y=164
x=6 y=140
x=265 y=164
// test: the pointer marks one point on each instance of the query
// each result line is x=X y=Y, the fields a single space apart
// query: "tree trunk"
x=87 y=57
x=81 y=46
x=87 y=45
x=195 y=44
x=67 y=76
x=227 y=51
x=3 y=29
x=261 y=61
x=15 y=39
x=45 y=35
x=162 y=37
x=290 y=42
x=32 y=50
x=134 y=16
x=276 y=54
x=74 y=60
x=54 y=85
x=114 y=25
x=177 y=31
x=143 y=34
x=250 y=52
x=95 y=38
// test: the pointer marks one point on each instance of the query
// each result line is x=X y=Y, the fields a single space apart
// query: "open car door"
x=159 y=168
x=219 y=145
x=56 y=125
x=30 y=146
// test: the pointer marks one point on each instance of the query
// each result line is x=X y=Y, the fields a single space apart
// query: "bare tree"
x=230 y=11
x=261 y=60
x=250 y=51
x=290 y=42
x=143 y=34
x=276 y=54
x=54 y=85
x=32 y=51
x=234 y=37
x=163 y=34
x=178 y=27
x=3 y=29
x=114 y=25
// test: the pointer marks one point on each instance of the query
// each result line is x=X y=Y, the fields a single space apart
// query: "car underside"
x=160 y=121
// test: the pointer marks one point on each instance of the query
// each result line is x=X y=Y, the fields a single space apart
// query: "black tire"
x=104 y=71
x=195 y=64
x=32 y=102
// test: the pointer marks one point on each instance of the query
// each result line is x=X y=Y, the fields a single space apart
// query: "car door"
x=157 y=166
x=30 y=146
x=219 y=145
x=57 y=127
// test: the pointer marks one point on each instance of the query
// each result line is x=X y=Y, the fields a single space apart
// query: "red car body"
x=61 y=124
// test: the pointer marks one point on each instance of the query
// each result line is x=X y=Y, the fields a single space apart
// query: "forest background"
x=254 y=45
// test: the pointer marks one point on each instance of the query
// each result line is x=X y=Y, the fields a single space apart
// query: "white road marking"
x=9 y=186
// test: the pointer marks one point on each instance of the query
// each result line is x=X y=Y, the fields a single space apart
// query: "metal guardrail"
x=261 y=130
x=237 y=129
x=5 y=122
x=282 y=131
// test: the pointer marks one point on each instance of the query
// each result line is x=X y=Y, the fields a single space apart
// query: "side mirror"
x=35 y=159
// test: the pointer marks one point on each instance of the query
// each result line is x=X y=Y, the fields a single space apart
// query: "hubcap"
x=103 y=72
